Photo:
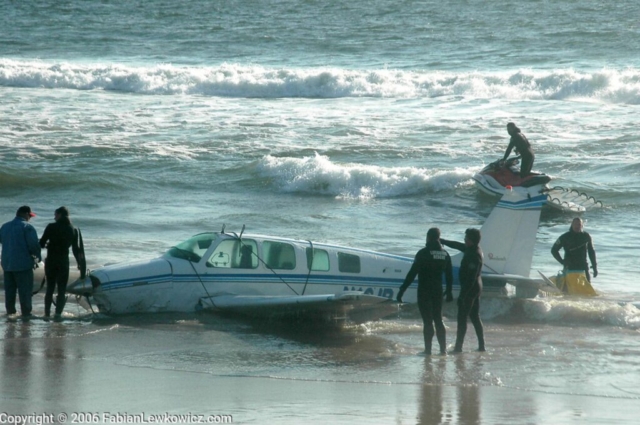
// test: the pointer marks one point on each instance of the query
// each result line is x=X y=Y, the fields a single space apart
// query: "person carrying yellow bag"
x=576 y=244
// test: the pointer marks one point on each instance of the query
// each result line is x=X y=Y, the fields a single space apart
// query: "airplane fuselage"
x=208 y=265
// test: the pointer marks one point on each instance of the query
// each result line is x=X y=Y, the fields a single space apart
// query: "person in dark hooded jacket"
x=522 y=146
x=430 y=264
x=57 y=238
x=577 y=244
x=470 y=287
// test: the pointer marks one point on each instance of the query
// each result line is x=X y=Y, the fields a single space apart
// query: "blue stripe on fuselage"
x=269 y=278
x=525 y=204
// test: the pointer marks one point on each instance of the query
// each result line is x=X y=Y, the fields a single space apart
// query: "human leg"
x=441 y=332
x=425 y=307
x=464 y=307
x=10 y=290
x=63 y=278
x=24 y=280
x=526 y=163
x=477 y=323
x=50 y=274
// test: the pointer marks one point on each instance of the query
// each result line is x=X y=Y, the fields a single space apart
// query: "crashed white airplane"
x=264 y=275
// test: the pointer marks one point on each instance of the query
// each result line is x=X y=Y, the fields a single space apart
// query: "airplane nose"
x=84 y=286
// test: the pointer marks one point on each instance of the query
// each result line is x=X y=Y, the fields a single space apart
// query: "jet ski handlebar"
x=500 y=163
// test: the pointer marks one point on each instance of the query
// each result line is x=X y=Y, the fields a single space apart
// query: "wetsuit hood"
x=63 y=220
x=434 y=245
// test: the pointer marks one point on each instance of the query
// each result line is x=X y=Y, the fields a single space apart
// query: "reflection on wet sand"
x=17 y=370
x=431 y=410
x=468 y=391
x=40 y=367
x=55 y=374
x=435 y=404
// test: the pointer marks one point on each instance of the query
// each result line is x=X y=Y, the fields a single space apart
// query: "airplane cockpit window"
x=348 y=263
x=235 y=254
x=320 y=260
x=279 y=255
x=193 y=248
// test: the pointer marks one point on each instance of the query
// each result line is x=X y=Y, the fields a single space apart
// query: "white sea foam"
x=235 y=80
x=319 y=175
x=552 y=311
x=587 y=312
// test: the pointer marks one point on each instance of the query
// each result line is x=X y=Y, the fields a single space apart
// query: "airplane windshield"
x=194 y=248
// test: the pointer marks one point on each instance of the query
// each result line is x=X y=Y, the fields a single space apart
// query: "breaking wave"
x=564 y=311
x=318 y=175
x=584 y=312
x=254 y=81
x=555 y=311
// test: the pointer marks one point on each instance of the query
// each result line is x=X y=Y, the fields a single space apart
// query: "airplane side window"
x=320 y=260
x=279 y=255
x=234 y=254
x=221 y=256
x=193 y=248
x=348 y=263
x=246 y=256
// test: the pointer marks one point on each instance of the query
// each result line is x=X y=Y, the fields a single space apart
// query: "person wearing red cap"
x=20 y=246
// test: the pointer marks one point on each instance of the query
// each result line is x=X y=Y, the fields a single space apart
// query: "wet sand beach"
x=265 y=373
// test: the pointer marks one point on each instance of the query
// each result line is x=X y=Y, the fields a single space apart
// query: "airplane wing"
x=543 y=284
x=352 y=306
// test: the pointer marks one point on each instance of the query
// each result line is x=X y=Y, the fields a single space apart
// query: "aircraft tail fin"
x=509 y=234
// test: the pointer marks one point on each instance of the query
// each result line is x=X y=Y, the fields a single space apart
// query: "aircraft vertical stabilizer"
x=509 y=234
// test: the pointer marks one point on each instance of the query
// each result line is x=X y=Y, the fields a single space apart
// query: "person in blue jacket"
x=20 y=248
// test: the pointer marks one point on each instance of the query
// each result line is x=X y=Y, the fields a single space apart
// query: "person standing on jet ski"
x=576 y=243
x=522 y=147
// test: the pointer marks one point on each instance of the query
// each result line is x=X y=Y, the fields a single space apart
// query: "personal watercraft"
x=501 y=176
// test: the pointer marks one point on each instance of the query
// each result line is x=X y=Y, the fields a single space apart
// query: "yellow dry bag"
x=574 y=282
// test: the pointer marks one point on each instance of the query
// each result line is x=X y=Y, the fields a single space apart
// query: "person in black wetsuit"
x=523 y=148
x=430 y=263
x=576 y=243
x=471 y=287
x=57 y=238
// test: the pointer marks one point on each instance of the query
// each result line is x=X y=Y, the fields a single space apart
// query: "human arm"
x=33 y=245
x=45 y=237
x=555 y=251
x=508 y=151
x=411 y=276
x=453 y=244
x=448 y=275
x=592 y=256
x=77 y=247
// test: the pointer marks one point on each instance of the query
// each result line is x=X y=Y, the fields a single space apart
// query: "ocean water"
x=359 y=123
